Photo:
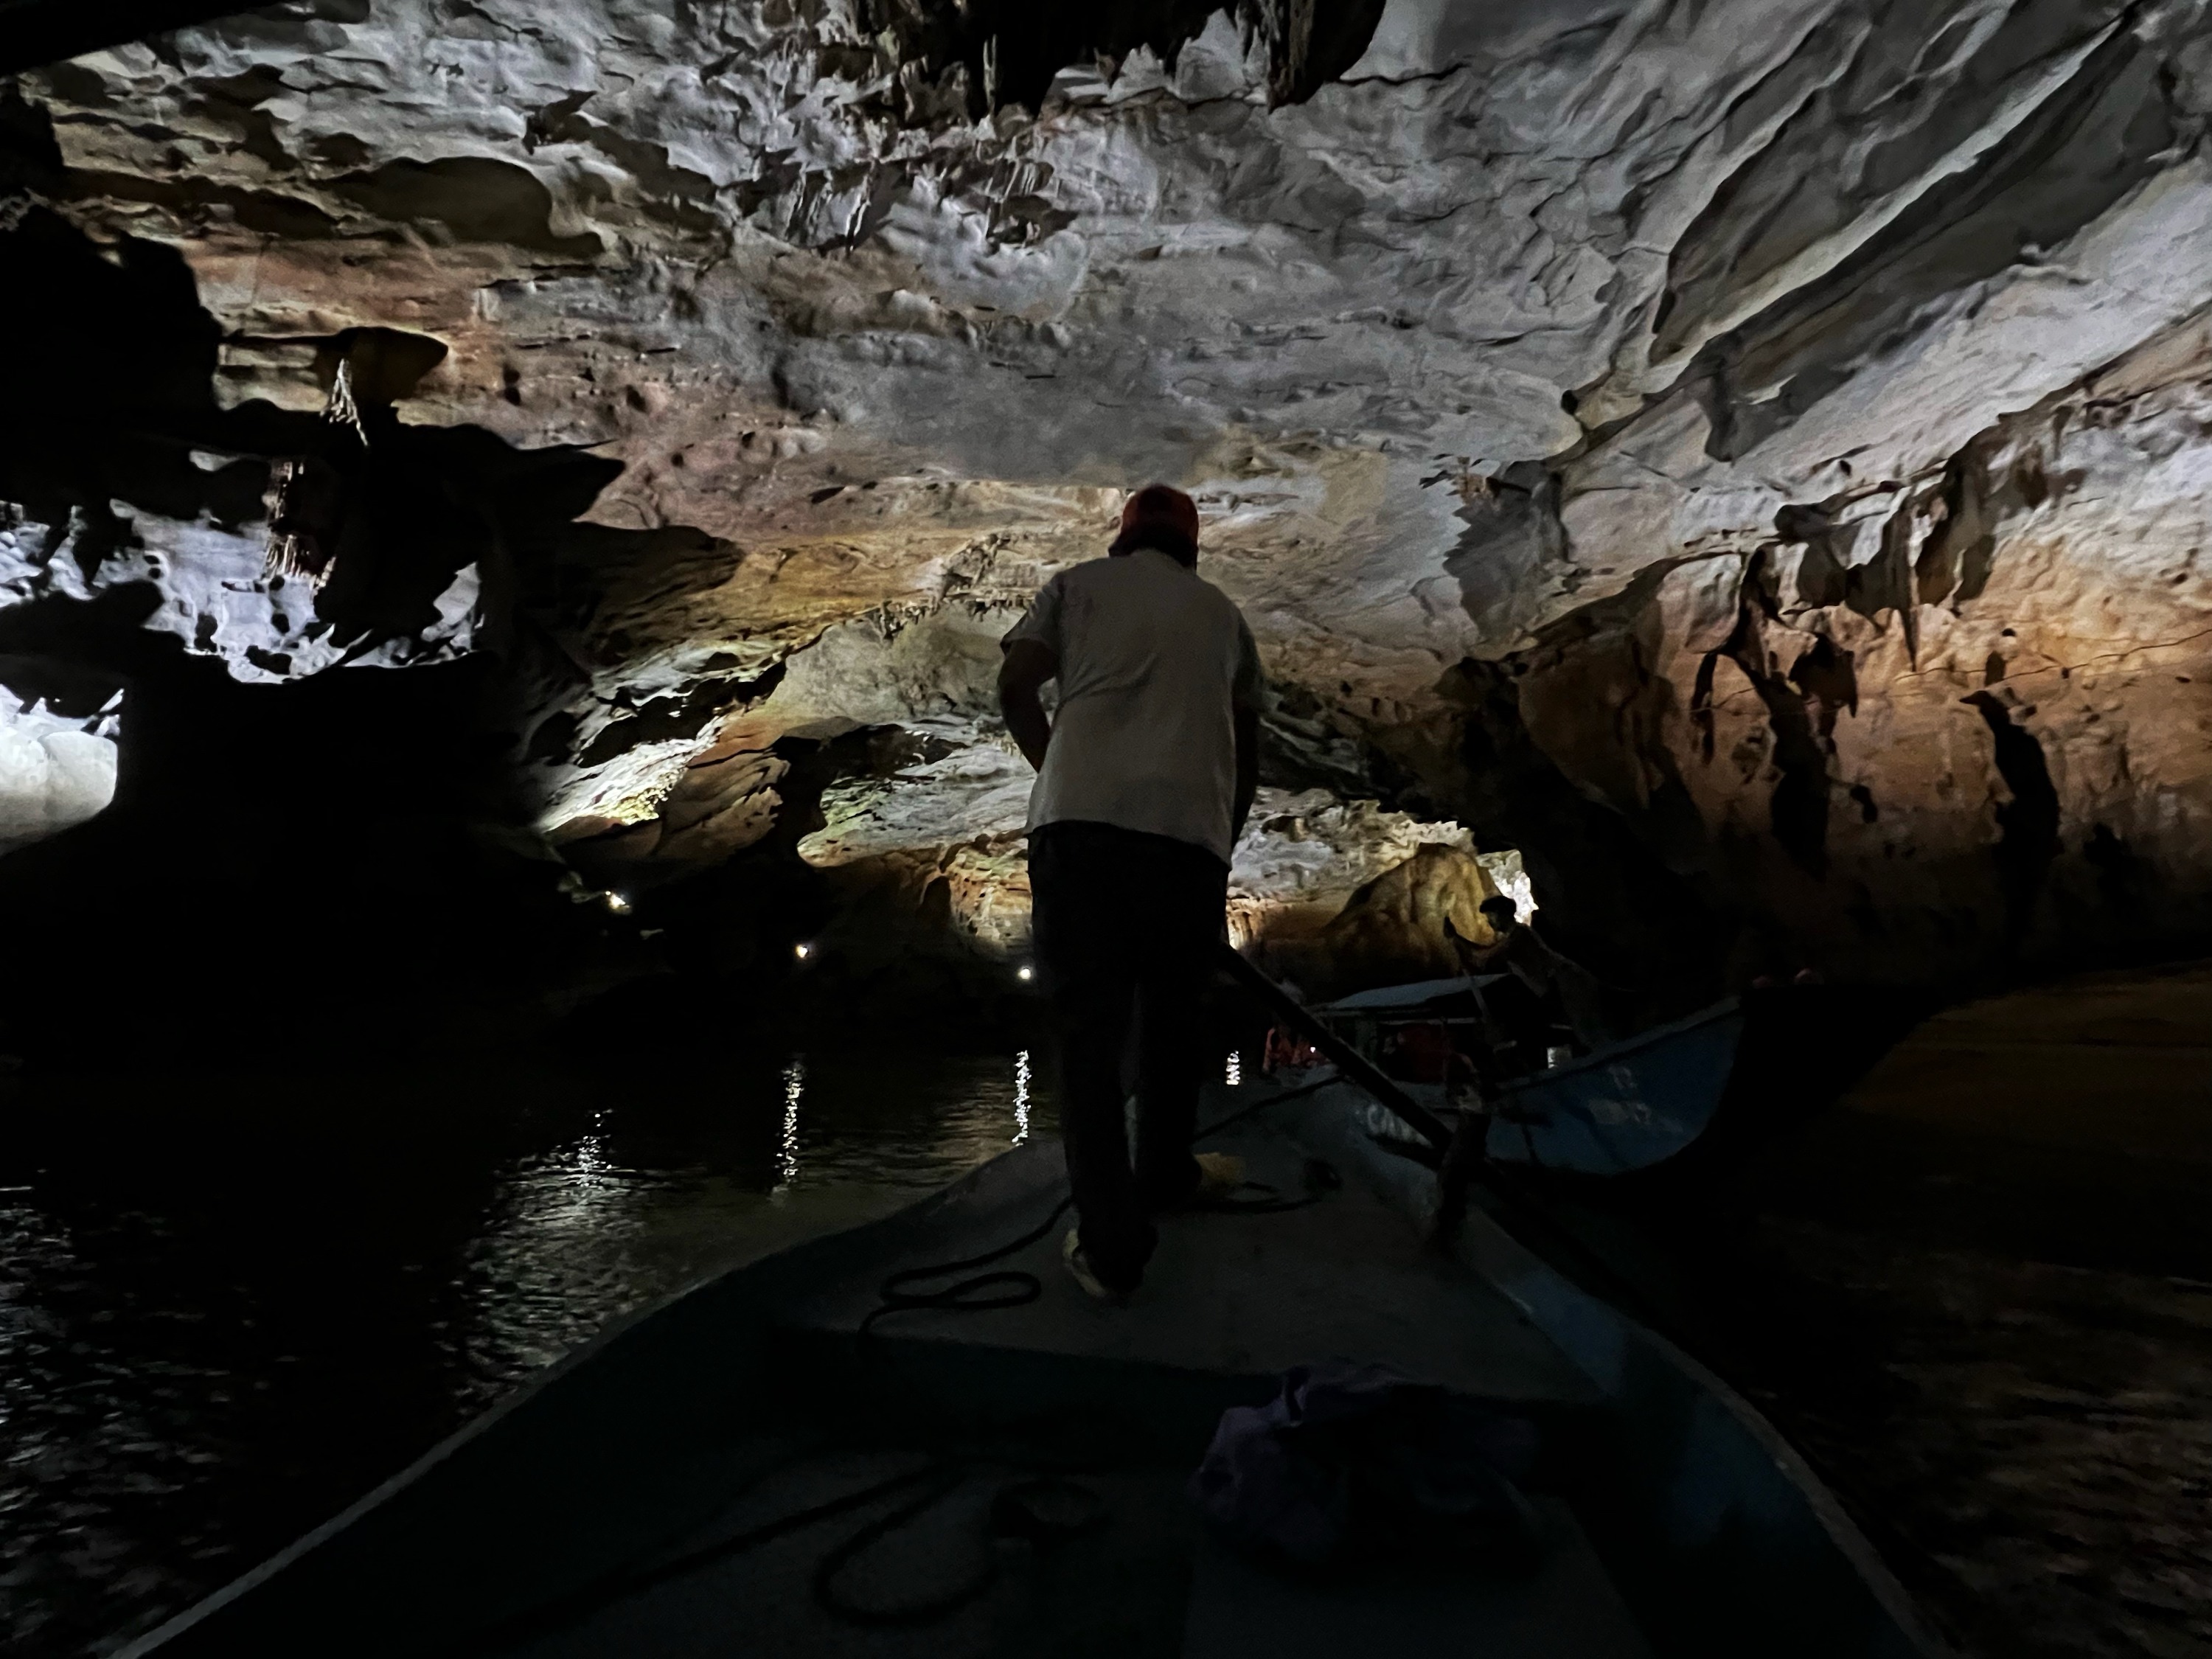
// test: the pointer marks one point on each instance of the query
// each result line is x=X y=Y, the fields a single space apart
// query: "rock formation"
x=1748 y=456
x=54 y=771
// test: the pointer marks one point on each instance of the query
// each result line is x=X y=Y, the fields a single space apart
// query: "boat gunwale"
x=1613 y=1053
x=1555 y=1304
x=1015 y=1169
x=533 y=1387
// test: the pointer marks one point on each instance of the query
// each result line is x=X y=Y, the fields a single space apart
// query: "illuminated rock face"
x=1950 y=716
x=54 y=771
x=1748 y=455
x=1345 y=895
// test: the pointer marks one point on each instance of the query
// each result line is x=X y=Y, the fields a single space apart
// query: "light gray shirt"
x=1153 y=659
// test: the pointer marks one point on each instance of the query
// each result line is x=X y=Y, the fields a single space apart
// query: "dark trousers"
x=1125 y=927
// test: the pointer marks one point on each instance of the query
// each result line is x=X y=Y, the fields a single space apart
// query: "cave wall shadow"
x=1611 y=895
x=288 y=874
x=327 y=867
x=1636 y=882
x=332 y=871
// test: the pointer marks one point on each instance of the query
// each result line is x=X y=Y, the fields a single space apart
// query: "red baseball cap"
x=1163 y=517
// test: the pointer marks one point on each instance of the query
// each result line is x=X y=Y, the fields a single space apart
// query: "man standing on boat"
x=1145 y=776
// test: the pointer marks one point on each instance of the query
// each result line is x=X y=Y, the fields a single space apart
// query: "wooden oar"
x=1355 y=1066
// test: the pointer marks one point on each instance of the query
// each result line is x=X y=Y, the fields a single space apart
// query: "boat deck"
x=1245 y=1293
x=1230 y=1299
x=1147 y=1585
x=743 y=1468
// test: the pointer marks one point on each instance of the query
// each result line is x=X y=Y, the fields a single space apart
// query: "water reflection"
x=100 y=1434
x=224 y=1317
x=794 y=1086
x=554 y=1256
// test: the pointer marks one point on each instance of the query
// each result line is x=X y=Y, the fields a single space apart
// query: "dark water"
x=230 y=1303
x=1977 y=1297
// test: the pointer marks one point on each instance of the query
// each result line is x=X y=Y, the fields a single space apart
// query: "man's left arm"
x=1248 y=697
x=1022 y=672
x=1247 y=768
x=1032 y=657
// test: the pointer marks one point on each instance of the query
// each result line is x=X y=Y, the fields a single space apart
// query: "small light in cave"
x=1235 y=1074
x=618 y=904
x=1025 y=975
x=802 y=951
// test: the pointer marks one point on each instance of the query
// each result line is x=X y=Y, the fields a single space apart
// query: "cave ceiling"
x=1461 y=322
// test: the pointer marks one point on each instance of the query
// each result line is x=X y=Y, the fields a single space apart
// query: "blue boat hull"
x=1629 y=1106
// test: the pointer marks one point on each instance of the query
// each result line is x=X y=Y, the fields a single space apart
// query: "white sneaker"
x=1080 y=1269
